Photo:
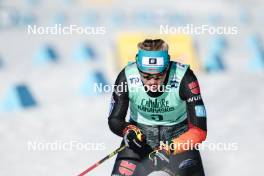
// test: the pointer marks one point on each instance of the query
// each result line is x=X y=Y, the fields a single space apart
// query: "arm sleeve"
x=119 y=105
x=190 y=92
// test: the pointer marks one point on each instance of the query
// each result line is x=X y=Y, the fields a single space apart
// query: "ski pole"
x=102 y=160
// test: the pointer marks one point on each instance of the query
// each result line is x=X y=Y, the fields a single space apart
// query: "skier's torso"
x=166 y=109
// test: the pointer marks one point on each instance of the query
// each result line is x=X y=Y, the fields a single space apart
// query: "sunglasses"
x=152 y=76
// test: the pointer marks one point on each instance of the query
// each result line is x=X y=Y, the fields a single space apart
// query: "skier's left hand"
x=160 y=156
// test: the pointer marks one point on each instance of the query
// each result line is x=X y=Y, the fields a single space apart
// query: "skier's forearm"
x=197 y=127
x=189 y=139
x=116 y=119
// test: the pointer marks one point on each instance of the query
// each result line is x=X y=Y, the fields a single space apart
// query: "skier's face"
x=153 y=81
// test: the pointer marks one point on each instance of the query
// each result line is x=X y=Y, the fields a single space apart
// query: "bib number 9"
x=157 y=117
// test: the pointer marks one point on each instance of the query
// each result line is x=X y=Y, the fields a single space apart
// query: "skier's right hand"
x=134 y=139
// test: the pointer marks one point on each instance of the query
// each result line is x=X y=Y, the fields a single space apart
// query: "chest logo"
x=155 y=106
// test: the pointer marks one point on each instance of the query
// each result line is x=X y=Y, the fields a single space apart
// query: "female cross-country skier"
x=167 y=115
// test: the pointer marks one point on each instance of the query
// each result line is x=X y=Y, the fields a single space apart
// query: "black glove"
x=135 y=140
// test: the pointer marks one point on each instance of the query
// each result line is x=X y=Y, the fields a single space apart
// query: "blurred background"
x=46 y=79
